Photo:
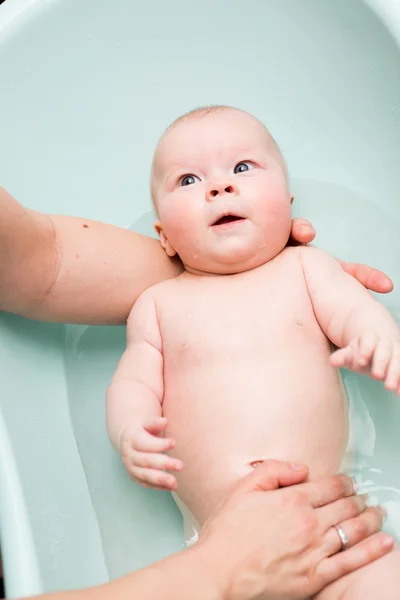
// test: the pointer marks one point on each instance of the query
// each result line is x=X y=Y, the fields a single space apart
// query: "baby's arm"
x=366 y=334
x=134 y=415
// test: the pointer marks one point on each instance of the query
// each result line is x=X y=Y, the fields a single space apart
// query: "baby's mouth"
x=226 y=219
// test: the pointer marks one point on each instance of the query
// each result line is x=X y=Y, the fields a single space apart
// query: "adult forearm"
x=58 y=268
x=28 y=257
x=179 y=577
x=103 y=271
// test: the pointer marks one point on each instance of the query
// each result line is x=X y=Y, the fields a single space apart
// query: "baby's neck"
x=191 y=271
x=222 y=270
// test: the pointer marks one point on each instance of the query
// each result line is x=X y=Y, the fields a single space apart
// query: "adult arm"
x=58 y=268
x=263 y=542
x=73 y=270
x=178 y=577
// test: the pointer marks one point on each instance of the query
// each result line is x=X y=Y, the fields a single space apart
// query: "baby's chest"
x=221 y=320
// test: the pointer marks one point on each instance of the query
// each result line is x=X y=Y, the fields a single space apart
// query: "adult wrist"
x=230 y=579
x=198 y=576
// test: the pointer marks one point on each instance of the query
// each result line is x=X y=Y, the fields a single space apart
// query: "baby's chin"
x=231 y=263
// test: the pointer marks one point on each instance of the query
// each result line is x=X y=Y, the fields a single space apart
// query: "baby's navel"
x=256 y=463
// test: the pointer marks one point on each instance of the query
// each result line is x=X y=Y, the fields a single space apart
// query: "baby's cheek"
x=180 y=226
x=279 y=211
x=277 y=224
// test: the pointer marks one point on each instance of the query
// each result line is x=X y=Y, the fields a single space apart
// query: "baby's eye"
x=242 y=167
x=189 y=180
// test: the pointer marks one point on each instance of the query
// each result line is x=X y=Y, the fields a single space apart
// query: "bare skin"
x=298 y=557
x=218 y=352
x=29 y=262
x=237 y=371
x=47 y=262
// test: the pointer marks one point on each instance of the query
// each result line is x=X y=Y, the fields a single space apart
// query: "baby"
x=222 y=371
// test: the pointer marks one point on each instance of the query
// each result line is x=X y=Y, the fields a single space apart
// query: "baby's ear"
x=163 y=239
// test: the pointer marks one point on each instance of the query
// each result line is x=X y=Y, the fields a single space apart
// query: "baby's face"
x=221 y=192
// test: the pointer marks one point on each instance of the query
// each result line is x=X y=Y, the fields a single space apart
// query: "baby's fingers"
x=154 y=478
x=342 y=358
x=160 y=462
x=392 y=380
x=381 y=359
x=146 y=442
x=367 y=346
x=156 y=425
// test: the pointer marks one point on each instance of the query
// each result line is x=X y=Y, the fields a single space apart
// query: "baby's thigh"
x=380 y=579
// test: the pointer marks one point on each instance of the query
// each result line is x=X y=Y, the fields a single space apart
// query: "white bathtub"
x=86 y=88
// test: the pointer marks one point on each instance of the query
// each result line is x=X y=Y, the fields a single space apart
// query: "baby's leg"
x=380 y=579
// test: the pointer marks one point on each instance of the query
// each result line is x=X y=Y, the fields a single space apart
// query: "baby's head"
x=220 y=189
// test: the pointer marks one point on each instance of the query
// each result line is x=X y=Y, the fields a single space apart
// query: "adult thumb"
x=271 y=475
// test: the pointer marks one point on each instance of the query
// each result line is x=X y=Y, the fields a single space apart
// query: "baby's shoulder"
x=308 y=252
x=147 y=304
x=302 y=259
x=162 y=292
x=311 y=255
x=288 y=257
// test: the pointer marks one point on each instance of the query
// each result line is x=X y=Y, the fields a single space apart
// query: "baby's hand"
x=374 y=356
x=141 y=448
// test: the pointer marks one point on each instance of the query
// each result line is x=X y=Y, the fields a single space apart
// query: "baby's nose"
x=220 y=189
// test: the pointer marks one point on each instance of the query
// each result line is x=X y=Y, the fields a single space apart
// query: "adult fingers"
x=356 y=529
x=270 y=475
x=336 y=566
x=328 y=489
x=302 y=232
x=369 y=277
x=341 y=510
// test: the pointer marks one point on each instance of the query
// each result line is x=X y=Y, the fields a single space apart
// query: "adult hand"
x=271 y=543
x=302 y=232
x=262 y=543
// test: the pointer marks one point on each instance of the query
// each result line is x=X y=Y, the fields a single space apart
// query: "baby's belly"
x=292 y=409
